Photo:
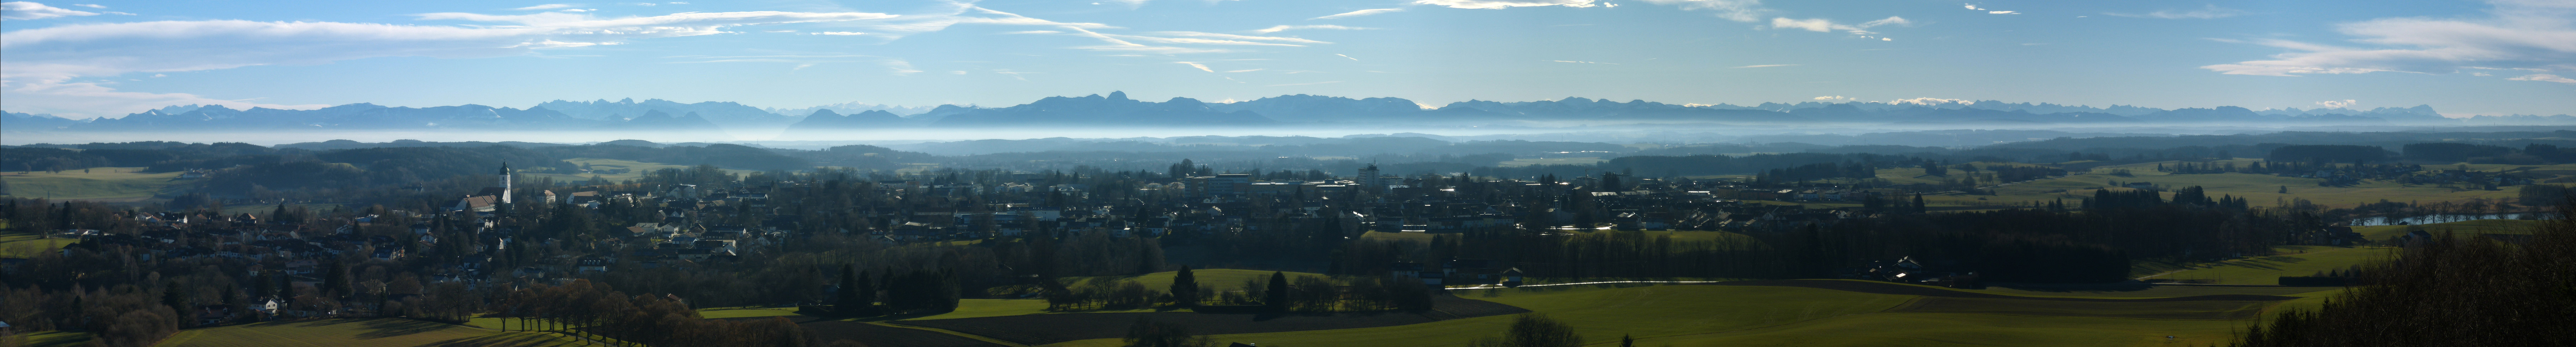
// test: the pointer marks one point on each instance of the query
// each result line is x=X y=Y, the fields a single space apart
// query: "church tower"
x=505 y=182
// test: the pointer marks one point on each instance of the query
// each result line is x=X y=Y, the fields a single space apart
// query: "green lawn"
x=104 y=183
x=380 y=332
x=2293 y=261
x=27 y=245
x=56 y=339
x=739 y=312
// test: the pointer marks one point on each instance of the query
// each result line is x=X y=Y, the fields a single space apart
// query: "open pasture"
x=378 y=332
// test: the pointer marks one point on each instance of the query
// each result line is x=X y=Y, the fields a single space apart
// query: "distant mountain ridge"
x=1118 y=110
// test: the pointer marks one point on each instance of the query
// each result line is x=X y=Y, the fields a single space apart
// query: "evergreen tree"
x=1275 y=295
x=848 y=301
x=1185 y=287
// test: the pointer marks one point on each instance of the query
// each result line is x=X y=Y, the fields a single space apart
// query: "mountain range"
x=1117 y=110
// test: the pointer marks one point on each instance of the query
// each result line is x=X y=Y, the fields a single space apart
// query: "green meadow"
x=104 y=183
x=1697 y=315
x=379 y=332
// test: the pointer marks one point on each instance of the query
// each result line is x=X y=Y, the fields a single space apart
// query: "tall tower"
x=1368 y=176
x=505 y=182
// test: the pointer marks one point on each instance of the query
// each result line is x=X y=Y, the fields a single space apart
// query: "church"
x=489 y=199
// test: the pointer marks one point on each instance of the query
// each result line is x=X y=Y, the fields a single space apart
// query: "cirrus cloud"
x=29 y=10
x=45 y=67
x=1500 y=4
x=1359 y=13
x=2520 y=35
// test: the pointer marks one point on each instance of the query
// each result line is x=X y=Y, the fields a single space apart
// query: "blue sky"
x=87 y=58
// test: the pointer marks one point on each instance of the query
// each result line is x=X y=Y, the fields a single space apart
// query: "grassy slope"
x=1785 y=316
x=99 y=183
x=388 y=332
x=1601 y=314
x=2294 y=261
x=739 y=312
x=25 y=245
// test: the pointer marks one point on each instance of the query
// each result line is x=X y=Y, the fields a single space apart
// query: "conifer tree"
x=1185 y=287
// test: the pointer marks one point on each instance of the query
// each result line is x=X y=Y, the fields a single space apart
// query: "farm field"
x=1756 y=315
x=111 y=184
x=379 y=332
x=25 y=245
x=2293 y=261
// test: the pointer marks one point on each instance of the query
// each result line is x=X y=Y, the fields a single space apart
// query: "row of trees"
x=2451 y=291
x=652 y=320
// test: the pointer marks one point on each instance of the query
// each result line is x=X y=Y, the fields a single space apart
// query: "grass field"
x=57 y=339
x=104 y=183
x=25 y=245
x=1688 y=315
x=2293 y=261
x=380 y=332
x=739 y=312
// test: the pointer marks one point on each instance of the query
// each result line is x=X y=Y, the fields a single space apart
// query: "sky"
x=94 y=58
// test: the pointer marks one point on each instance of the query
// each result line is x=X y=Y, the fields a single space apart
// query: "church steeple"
x=505 y=182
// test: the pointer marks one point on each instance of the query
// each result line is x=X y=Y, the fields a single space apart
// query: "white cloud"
x=838 y=33
x=2521 y=34
x=45 y=66
x=2336 y=103
x=1833 y=98
x=1496 y=4
x=30 y=10
x=2205 y=12
x=579 y=10
x=1770 y=65
x=1280 y=28
x=2545 y=78
x=1238 y=37
x=541 y=7
x=1202 y=67
x=1345 y=56
x=1359 y=13
x=1826 y=25
x=2002 y=12
x=1736 y=10
x=90 y=5
x=1974 y=7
